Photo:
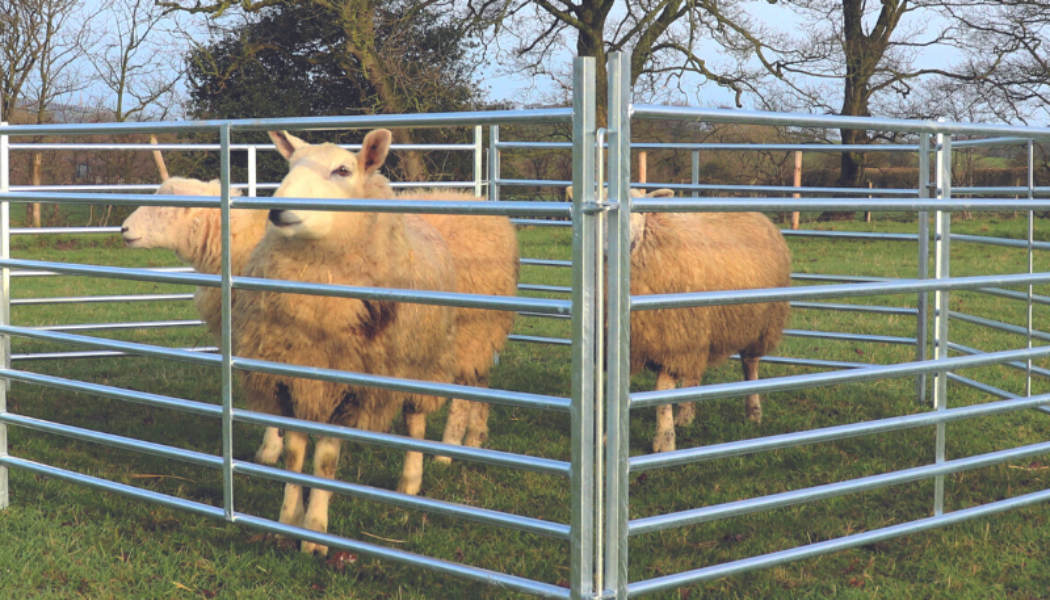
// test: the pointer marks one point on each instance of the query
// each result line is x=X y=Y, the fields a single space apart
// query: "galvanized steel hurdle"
x=600 y=402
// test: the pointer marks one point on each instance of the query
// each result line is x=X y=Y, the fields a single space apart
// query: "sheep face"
x=325 y=171
x=163 y=226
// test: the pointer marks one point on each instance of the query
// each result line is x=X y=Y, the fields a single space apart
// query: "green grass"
x=64 y=541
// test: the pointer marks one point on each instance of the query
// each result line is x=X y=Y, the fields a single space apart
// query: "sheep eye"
x=342 y=171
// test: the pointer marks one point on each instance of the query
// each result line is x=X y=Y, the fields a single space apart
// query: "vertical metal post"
x=227 y=336
x=942 y=258
x=1031 y=263
x=696 y=166
x=479 y=171
x=494 y=162
x=599 y=367
x=584 y=355
x=5 y=303
x=922 y=318
x=252 y=173
x=618 y=343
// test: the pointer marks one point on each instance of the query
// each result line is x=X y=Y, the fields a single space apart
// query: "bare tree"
x=669 y=41
x=138 y=59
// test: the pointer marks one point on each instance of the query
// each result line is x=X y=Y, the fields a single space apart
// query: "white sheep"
x=485 y=255
x=409 y=340
x=195 y=235
x=700 y=252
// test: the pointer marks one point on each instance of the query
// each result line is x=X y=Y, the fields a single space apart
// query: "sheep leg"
x=687 y=410
x=664 y=440
x=412 y=474
x=294 y=454
x=271 y=447
x=478 y=428
x=458 y=415
x=326 y=462
x=753 y=404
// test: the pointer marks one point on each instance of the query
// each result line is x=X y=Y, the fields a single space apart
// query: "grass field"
x=63 y=541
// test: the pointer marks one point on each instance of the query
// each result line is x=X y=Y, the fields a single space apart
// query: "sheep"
x=485 y=255
x=194 y=234
x=692 y=252
x=699 y=252
x=414 y=341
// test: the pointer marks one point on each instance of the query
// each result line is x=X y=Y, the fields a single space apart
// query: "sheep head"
x=637 y=219
x=167 y=226
x=327 y=171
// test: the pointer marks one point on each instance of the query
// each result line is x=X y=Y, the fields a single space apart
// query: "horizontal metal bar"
x=107 y=391
x=535 y=182
x=532 y=339
x=852 y=235
x=114 y=199
x=828 y=434
x=540 y=223
x=839 y=278
x=525 y=313
x=552 y=289
x=489 y=578
x=540 y=262
x=999 y=190
x=134 y=274
x=540 y=305
x=392 y=498
x=997 y=241
x=720 y=115
x=817 y=292
x=798 y=382
x=865 y=308
x=115 y=441
x=105 y=485
x=199 y=358
x=62 y=230
x=93 y=354
x=773 y=189
x=215 y=147
x=831 y=490
x=534 y=145
x=670 y=582
x=823 y=204
x=998 y=141
x=409 y=206
x=809 y=362
x=1020 y=366
x=484 y=576
x=997 y=325
x=100 y=299
x=399 y=442
x=1036 y=298
x=458 y=119
x=983 y=387
x=814 y=147
x=412 y=386
x=117 y=326
x=849 y=337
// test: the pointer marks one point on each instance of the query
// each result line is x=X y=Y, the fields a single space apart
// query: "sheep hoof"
x=315 y=549
x=754 y=415
x=664 y=442
x=443 y=460
x=409 y=487
x=686 y=414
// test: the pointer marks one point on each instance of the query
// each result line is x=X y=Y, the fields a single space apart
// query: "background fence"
x=598 y=303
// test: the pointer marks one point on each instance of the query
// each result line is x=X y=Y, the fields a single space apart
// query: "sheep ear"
x=661 y=193
x=286 y=143
x=159 y=158
x=374 y=150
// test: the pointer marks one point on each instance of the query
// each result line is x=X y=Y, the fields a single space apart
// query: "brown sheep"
x=485 y=253
x=407 y=340
x=699 y=252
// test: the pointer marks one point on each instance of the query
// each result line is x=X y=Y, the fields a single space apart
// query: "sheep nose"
x=275 y=217
x=124 y=229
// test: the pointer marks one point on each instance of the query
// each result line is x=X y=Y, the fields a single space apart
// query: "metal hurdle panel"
x=600 y=403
